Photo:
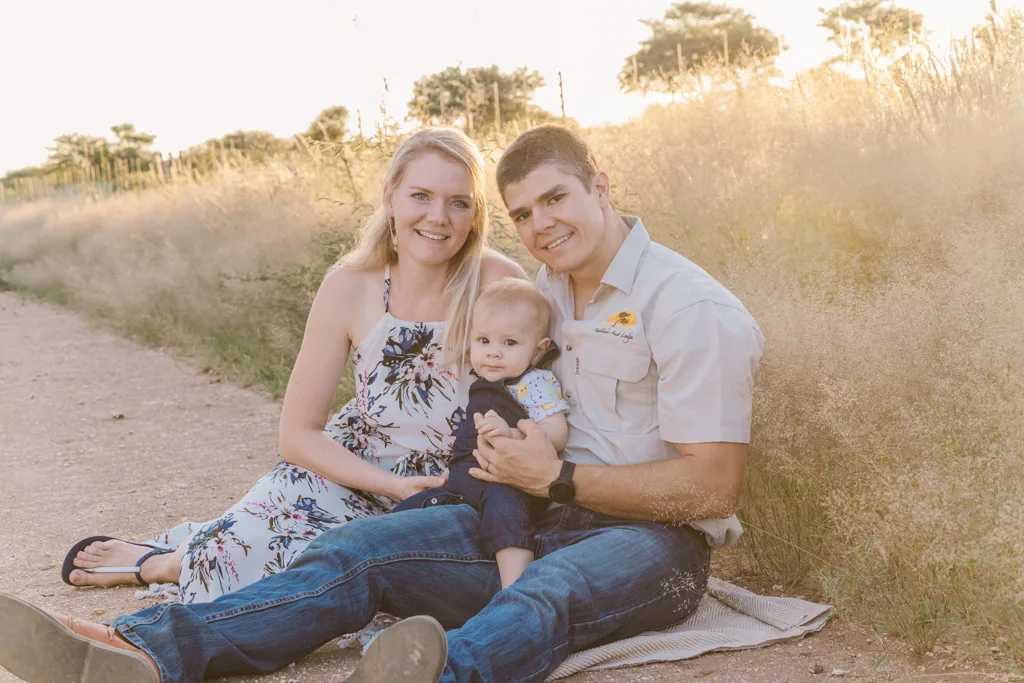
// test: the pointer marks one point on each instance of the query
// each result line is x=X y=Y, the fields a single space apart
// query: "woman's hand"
x=404 y=487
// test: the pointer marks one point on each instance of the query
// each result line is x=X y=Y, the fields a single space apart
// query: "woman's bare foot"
x=163 y=568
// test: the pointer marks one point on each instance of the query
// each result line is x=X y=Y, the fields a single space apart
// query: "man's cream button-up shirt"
x=664 y=354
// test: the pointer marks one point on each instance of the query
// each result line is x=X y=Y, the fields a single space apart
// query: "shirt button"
x=433 y=501
x=568 y=394
x=568 y=347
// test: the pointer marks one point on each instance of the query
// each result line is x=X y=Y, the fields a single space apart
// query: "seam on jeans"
x=141 y=644
x=561 y=519
x=130 y=622
x=564 y=645
x=347 y=576
x=641 y=605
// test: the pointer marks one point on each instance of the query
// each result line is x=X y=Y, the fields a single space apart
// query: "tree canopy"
x=888 y=25
x=687 y=36
x=467 y=97
x=256 y=145
x=330 y=125
x=132 y=144
x=77 y=151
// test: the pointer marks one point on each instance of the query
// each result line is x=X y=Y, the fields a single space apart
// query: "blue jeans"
x=596 y=579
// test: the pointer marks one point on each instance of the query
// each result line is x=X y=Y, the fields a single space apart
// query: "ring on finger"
x=487 y=467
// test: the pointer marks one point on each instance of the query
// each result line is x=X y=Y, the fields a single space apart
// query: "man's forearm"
x=675 y=490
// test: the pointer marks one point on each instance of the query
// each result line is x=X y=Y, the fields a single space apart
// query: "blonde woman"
x=399 y=304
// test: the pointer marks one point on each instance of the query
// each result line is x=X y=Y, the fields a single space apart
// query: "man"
x=657 y=367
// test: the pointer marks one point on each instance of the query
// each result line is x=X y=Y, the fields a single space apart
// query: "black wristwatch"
x=562 y=490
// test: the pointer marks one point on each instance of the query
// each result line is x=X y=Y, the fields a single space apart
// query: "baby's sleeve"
x=541 y=394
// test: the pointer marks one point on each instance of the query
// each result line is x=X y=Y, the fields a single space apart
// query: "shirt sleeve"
x=706 y=356
x=540 y=394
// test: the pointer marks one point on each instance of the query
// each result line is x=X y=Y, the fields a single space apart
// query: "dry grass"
x=871 y=226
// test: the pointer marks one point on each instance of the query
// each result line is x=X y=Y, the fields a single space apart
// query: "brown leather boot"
x=39 y=647
x=414 y=650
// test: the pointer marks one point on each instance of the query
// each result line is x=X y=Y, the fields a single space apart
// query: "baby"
x=509 y=346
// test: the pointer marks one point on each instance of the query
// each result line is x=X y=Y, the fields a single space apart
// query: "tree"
x=255 y=145
x=467 y=97
x=77 y=151
x=132 y=147
x=330 y=125
x=689 y=34
x=887 y=24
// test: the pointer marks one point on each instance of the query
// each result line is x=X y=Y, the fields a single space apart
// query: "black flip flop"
x=69 y=566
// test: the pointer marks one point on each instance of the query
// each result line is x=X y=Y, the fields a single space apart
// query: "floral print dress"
x=403 y=418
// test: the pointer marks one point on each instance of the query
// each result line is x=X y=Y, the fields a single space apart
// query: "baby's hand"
x=491 y=425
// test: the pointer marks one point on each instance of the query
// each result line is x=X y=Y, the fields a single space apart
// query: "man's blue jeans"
x=595 y=579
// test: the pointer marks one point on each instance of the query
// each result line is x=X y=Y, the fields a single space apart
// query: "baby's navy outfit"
x=507 y=515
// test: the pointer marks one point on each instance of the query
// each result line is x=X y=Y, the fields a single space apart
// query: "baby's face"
x=505 y=343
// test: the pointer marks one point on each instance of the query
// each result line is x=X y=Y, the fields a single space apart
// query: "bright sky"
x=190 y=70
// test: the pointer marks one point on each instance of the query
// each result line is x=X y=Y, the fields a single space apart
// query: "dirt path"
x=190 y=445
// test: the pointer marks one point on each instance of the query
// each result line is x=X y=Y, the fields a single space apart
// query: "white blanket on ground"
x=727 y=618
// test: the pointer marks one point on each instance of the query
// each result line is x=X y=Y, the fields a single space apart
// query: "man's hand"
x=530 y=464
x=492 y=425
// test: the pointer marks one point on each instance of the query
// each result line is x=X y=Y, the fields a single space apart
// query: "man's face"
x=558 y=218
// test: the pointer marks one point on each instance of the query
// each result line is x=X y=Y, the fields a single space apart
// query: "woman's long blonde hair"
x=377 y=248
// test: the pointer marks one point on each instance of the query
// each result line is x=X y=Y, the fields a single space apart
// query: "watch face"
x=561 y=492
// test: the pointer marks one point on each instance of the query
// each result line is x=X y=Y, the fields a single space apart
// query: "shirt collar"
x=621 y=271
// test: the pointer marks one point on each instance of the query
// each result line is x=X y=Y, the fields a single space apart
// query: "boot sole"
x=415 y=650
x=36 y=648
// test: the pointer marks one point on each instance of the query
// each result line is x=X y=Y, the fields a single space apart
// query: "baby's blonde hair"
x=511 y=290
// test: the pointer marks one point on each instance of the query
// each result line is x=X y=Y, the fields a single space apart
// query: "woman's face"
x=433 y=209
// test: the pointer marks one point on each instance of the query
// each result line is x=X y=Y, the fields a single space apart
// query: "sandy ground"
x=188 y=446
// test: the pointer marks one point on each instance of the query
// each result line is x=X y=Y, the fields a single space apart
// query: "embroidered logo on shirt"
x=615 y=324
x=622 y=318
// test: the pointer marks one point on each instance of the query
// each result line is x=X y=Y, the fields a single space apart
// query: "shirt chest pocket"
x=617 y=387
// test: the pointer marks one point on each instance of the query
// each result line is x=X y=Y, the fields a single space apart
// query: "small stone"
x=817 y=669
x=994 y=649
x=98 y=611
x=839 y=672
x=117 y=416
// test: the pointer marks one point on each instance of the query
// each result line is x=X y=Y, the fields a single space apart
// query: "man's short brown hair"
x=547 y=144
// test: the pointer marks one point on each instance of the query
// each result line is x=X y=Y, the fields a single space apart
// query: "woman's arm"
x=339 y=305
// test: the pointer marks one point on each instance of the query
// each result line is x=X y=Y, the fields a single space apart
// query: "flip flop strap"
x=138 y=565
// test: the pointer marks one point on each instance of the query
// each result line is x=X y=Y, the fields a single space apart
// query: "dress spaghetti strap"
x=387 y=286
